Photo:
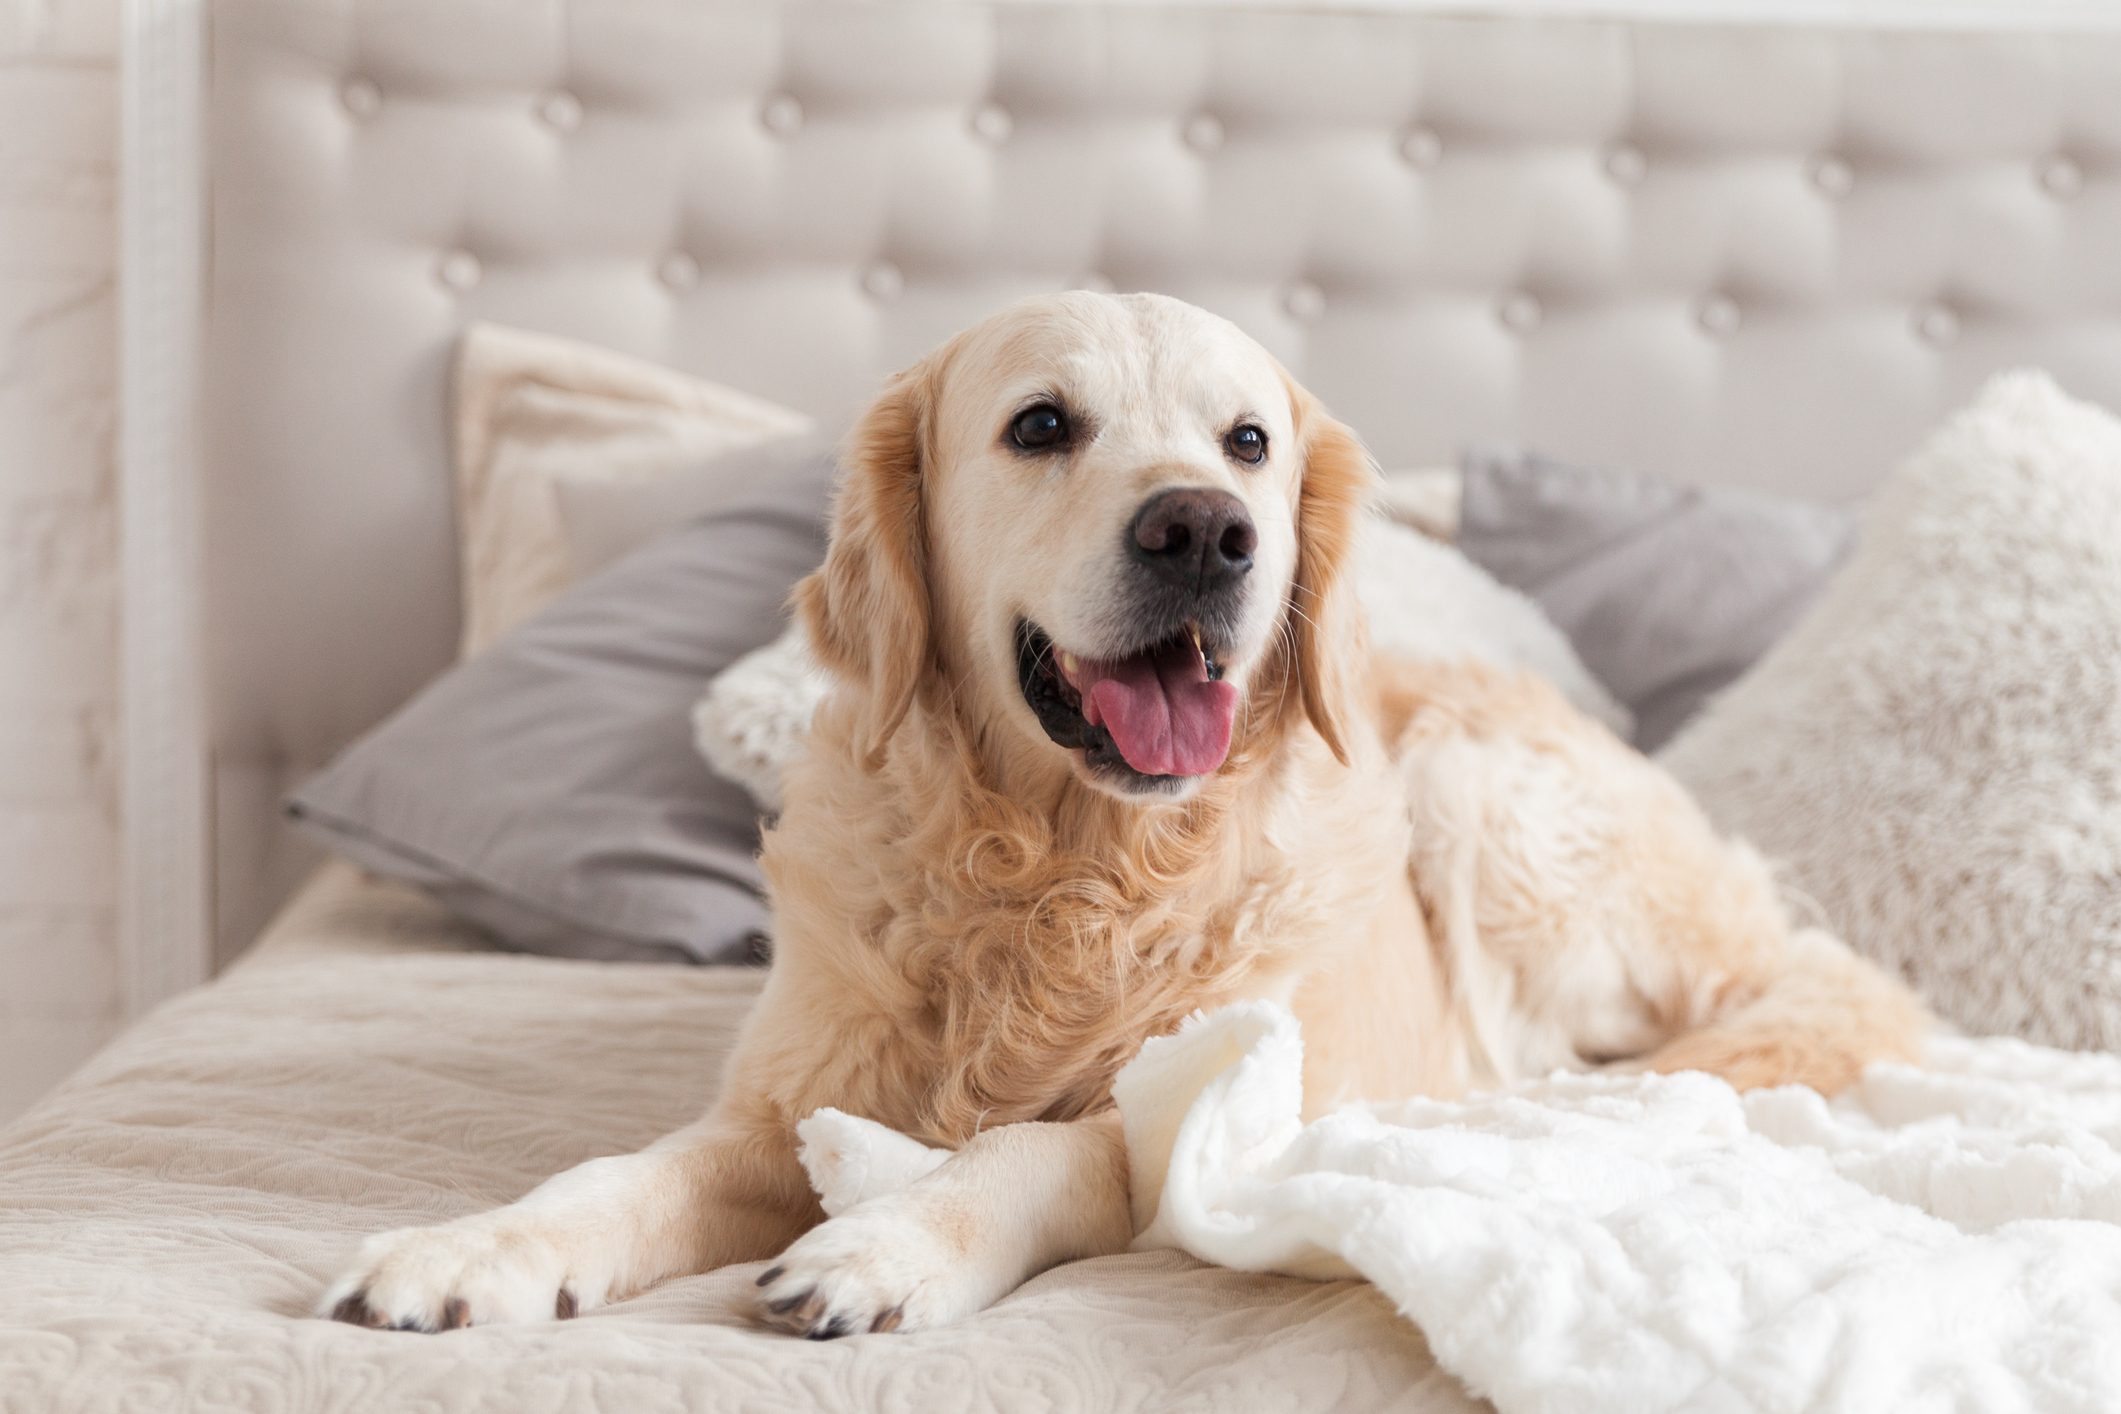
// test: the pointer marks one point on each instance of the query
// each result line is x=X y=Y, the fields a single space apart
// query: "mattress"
x=169 y=1215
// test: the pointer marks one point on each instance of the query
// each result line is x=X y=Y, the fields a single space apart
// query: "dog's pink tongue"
x=1164 y=715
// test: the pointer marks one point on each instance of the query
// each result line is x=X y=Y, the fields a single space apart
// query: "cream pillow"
x=1934 y=753
x=537 y=414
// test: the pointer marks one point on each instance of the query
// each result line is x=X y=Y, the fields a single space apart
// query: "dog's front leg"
x=1011 y=1203
x=706 y=1196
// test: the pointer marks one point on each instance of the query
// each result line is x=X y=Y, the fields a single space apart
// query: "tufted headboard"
x=1769 y=251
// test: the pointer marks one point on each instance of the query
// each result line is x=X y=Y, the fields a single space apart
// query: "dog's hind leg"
x=1816 y=1016
x=1585 y=910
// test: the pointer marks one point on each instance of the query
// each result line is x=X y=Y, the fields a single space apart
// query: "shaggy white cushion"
x=750 y=722
x=1934 y=753
x=1424 y=599
x=536 y=414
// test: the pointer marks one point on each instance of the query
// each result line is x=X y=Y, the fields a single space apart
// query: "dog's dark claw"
x=564 y=1306
x=889 y=1321
x=354 y=1311
x=455 y=1314
x=831 y=1330
x=788 y=1303
x=770 y=1276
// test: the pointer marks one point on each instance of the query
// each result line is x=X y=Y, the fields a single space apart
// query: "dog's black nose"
x=1194 y=537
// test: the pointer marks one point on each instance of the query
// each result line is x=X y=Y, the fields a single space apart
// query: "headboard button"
x=1717 y=315
x=1203 y=133
x=679 y=271
x=1626 y=164
x=781 y=115
x=1832 y=176
x=361 y=97
x=2060 y=176
x=561 y=111
x=459 y=270
x=1936 y=324
x=1519 y=312
x=991 y=123
x=1420 y=147
x=882 y=281
x=1303 y=301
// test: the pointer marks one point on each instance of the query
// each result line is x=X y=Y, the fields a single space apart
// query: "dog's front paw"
x=881 y=1267
x=470 y=1273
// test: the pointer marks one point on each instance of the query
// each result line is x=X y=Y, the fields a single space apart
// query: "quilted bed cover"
x=168 y=1216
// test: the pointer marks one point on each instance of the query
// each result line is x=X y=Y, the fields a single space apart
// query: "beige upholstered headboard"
x=1769 y=250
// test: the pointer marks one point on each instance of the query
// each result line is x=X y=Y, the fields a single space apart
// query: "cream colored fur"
x=1452 y=876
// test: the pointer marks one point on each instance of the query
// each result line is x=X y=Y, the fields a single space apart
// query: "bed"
x=1768 y=250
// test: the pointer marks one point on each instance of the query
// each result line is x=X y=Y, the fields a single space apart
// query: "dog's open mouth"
x=1162 y=712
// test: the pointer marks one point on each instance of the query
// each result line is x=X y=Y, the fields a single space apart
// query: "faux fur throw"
x=1946 y=1237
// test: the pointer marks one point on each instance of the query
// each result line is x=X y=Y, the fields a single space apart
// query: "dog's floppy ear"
x=1339 y=482
x=866 y=608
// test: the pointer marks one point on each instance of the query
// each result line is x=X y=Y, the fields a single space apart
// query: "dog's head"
x=1108 y=529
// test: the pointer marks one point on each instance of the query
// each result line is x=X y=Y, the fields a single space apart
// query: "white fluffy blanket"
x=1946 y=1237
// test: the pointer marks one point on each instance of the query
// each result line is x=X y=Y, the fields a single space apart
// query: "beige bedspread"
x=168 y=1217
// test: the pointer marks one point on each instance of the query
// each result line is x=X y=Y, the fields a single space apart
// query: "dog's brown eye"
x=1247 y=443
x=1040 y=428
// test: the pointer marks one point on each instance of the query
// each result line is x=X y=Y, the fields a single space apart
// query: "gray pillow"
x=1667 y=592
x=548 y=788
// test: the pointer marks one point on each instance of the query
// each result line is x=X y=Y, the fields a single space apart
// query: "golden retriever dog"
x=1108 y=749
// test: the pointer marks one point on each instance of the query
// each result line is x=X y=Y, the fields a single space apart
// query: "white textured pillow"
x=1934 y=753
x=535 y=414
x=1424 y=599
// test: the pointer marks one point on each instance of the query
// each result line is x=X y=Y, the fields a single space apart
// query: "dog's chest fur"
x=1008 y=962
x=1034 y=997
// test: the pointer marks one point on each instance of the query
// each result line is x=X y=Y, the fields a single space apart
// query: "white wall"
x=58 y=539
